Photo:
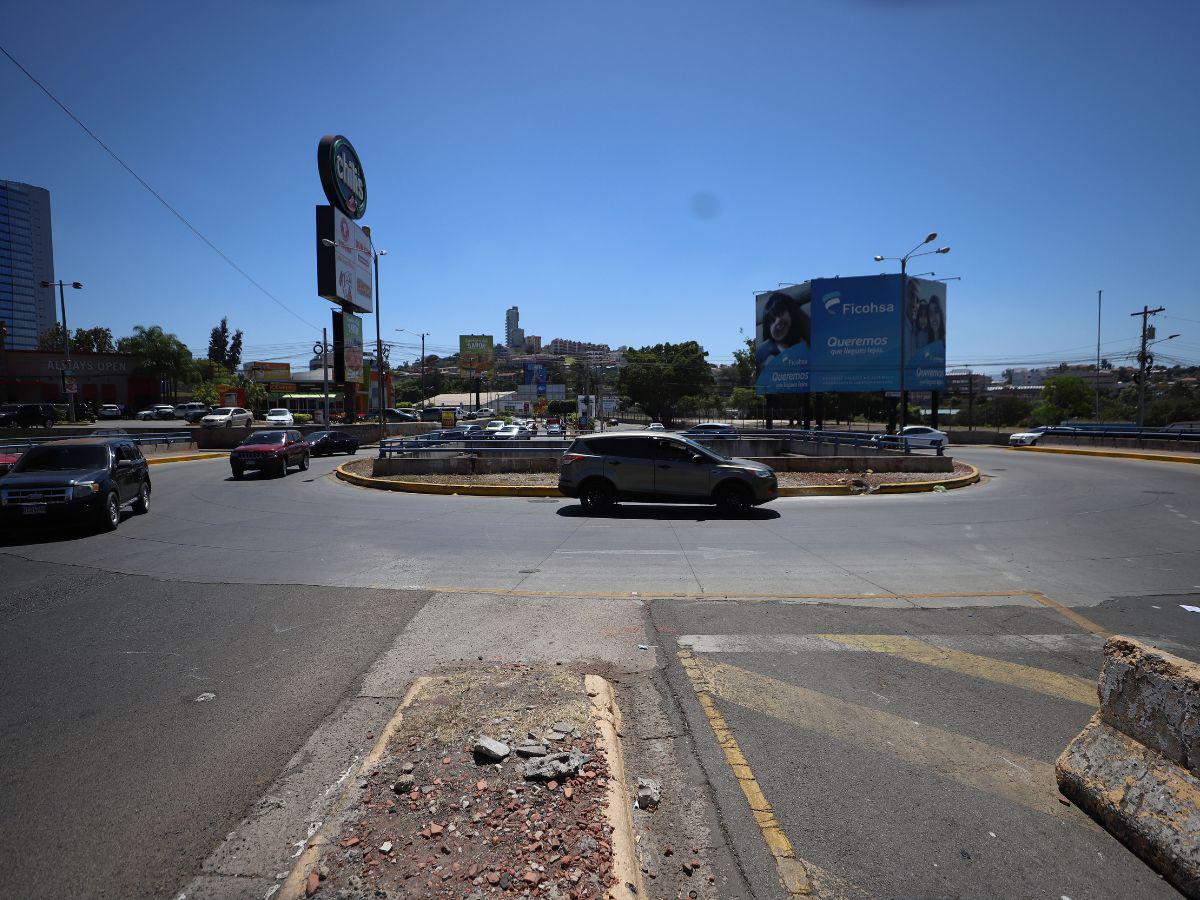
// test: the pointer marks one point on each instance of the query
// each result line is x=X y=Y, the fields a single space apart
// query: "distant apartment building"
x=1106 y=379
x=26 y=260
x=967 y=382
x=564 y=347
x=533 y=343
x=514 y=335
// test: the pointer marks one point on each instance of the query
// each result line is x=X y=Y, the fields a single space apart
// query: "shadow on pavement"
x=666 y=512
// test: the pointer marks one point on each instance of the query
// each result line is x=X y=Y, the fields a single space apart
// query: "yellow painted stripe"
x=981 y=766
x=1069 y=614
x=793 y=872
x=158 y=460
x=1114 y=454
x=1044 y=681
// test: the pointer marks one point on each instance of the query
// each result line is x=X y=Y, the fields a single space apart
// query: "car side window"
x=634 y=448
x=673 y=452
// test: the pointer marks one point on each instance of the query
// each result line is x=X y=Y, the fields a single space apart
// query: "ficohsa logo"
x=831 y=301
x=835 y=306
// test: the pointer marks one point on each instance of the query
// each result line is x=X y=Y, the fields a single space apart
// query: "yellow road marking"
x=712 y=595
x=976 y=764
x=793 y=871
x=1044 y=681
x=1066 y=612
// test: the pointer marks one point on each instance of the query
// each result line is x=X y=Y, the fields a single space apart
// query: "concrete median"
x=1135 y=767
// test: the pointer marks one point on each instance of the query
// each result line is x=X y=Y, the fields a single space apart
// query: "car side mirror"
x=697 y=459
x=124 y=463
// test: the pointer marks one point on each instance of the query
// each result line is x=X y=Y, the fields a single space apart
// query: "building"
x=514 y=336
x=1025 y=377
x=967 y=382
x=31 y=376
x=26 y=260
x=533 y=343
x=565 y=347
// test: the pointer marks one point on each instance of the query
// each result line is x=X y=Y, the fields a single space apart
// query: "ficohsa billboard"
x=844 y=334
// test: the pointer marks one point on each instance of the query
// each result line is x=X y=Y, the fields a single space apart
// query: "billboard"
x=347 y=348
x=475 y=352
x=535 y=374
x=345 y=270
x=848 y=334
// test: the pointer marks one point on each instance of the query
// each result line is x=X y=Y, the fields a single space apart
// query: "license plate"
x=33 y=509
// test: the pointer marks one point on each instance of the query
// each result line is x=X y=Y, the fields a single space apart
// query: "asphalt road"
x=278 y=596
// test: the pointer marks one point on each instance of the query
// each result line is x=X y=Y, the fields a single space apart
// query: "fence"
x=20 y=445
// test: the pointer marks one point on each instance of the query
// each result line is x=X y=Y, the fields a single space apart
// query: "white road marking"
x=1187 y=608
x=205 y=697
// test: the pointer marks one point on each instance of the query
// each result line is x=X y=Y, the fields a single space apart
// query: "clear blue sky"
x=624 y=172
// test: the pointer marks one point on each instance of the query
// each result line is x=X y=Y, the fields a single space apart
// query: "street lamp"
x=422 y=335
x=375 y=254
x=911 y=254
x=62 y=299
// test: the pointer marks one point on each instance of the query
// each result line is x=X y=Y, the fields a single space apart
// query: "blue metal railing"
x=20 y=445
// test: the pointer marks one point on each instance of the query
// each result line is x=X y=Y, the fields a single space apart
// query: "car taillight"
x=569 y=458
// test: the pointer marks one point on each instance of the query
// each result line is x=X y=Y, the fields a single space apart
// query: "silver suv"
x=603 y=469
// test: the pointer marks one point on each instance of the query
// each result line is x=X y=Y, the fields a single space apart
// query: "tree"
x=747 y=401
x=159 y=353
x=1064 y=397
x=93 y=340
x=223 y=350
x=657 y=378
x=256 y=393
x=206 y=393
x=51 y=340
x=578 y=377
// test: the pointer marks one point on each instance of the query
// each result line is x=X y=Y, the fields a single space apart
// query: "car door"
x=678 y=473
x=629 y=464
x=125 y=471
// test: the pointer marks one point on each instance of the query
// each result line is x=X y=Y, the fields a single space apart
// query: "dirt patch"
x=437 y=819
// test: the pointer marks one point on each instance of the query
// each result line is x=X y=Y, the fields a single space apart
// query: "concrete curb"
x=627 y=870
x=1114 y=454
x=505 y=490
x=157 y=460
x=1135 y=767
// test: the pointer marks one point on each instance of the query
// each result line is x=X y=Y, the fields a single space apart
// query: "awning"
x=332 y=396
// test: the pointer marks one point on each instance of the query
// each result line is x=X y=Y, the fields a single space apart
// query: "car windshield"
x=266 y=437
x=8 y=407
x=704 y=451
x=277 y=412
x=318 y=435
x=223 y=411
x=49 y=458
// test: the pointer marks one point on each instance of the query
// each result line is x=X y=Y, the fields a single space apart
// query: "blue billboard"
x=535 y=374
x=849 y=334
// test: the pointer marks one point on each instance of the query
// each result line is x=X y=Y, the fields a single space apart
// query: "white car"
x=228 y=417
x=512 y=433
x=280 y=417
x=493 y=426
x=158 y=411
x=1027 y=438
x=916 y=436
x=655 y=426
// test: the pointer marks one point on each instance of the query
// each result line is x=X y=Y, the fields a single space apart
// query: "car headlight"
x=761 y=473
x=79 y=491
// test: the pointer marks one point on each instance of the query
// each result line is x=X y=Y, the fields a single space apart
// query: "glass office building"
x=26 y=260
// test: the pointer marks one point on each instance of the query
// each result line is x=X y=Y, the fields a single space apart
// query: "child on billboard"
x=784 y=337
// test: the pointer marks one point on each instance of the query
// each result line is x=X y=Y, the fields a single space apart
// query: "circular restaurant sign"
x=342 y=175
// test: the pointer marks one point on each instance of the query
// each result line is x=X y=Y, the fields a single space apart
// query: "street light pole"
x=422 y=335
x=62 y=299
x=911 y=254
x=1099 y=308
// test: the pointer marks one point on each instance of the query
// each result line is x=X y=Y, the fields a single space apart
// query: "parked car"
x=603 y=469
x=191 y=412
x=27 y=415
x=227 y=417
x=493 y=426
x=612 y=422
x=711 y=428
x=280 y=417
x=512 y=433
x=110 y=411
x=326 y=443
x=655 y=426
x=915 y=435
x=270 y=451
x=79 y=480
x=554 y=431
x=1027 y=438
x=158 y=411
x=110 y=432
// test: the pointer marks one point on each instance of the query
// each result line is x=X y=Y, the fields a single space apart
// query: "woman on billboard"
x=935 y=330
x=785 y=333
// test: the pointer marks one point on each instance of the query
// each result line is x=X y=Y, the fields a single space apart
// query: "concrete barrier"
x=1135 y=767
x=227 y=438
x=1166 y=443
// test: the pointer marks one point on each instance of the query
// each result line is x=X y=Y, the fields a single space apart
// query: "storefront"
x=32 y=376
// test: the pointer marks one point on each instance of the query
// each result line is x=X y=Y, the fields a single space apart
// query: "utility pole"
x=1144 y=358
x=323 y=349
x=1099 y=307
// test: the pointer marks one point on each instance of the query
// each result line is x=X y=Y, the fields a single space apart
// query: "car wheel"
x=283 y=467
x=237 y=473
x=734 y=498
x=141 y=505
x=229 y=423
x=304 y=463
x=597 y=495
x=352 y=451
x=49 y=424
x=108 y=516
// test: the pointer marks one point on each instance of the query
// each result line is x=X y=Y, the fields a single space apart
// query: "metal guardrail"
x=415 y=446
x=1144 y=434
x=155 y=437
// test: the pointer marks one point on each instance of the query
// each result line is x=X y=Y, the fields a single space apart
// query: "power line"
x=157 y=196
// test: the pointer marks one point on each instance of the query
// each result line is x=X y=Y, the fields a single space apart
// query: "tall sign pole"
x=1099 y=308
x=1143 y=360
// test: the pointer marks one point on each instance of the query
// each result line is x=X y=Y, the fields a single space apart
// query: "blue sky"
x=623 y=172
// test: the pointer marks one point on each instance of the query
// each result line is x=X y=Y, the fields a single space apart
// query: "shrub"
x=302 y=418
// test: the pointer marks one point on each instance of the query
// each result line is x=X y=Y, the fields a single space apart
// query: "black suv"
x=83 y=480
x=27 y=415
